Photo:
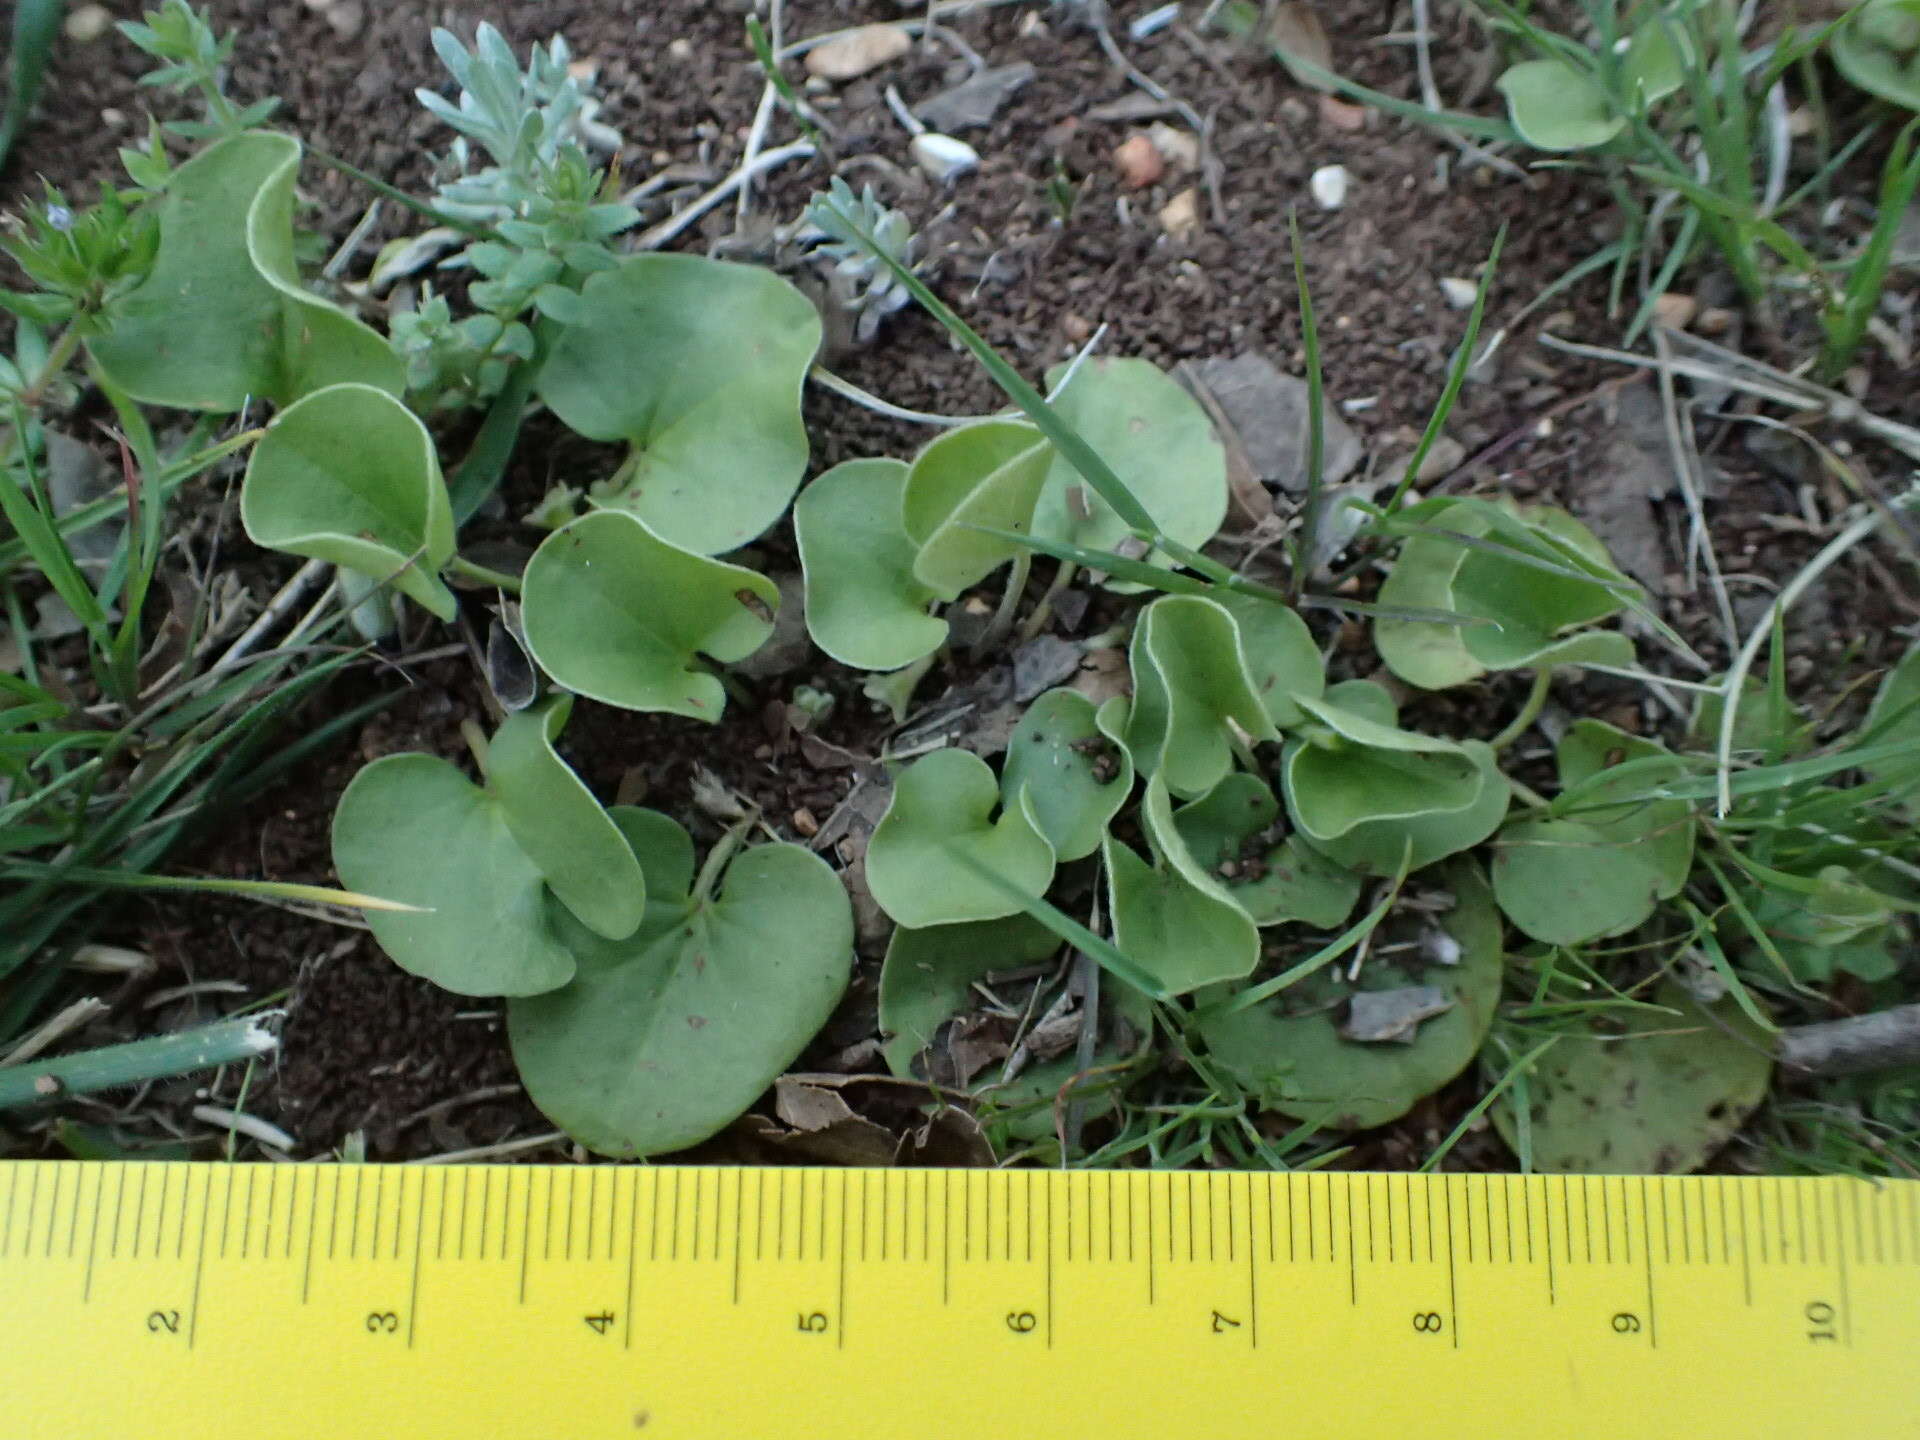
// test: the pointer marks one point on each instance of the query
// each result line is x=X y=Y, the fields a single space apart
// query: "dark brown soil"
x=366 y=1047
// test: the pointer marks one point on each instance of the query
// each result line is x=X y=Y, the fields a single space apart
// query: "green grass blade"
x=35 y=24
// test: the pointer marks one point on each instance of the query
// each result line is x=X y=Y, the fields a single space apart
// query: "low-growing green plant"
x=1665 y=101
x=1298 y=885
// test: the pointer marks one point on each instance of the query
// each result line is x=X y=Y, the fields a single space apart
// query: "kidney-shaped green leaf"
x=1659 y=1099
x=1155 y=437
x=698 y=364
x=864 y=608
x=413 y=828
x=1073 y=776
x=1534 y=579
x=614 y=612
x=1618 y=854
x=1290 y=1049
x=666 y=1037
x=1556 y=107
x=554 y=818
x=941 y=803
x=222 y=316
x=985 y=474
x=348 y=475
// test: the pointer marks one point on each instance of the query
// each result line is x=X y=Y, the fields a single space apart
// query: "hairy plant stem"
x=1536 y=701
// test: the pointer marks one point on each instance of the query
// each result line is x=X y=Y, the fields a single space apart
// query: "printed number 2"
x=164 y=1322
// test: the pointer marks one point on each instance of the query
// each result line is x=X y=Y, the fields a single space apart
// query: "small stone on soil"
x=1180 y=216
x=1138 y=162
x=1392 y=1016
x=975 y=101
x=1459 y=293
x=1329 y=186
x=942 y=157
x=88 y=23
x=859 y=50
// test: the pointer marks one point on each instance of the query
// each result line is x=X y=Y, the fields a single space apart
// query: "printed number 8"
x=1428 y=1322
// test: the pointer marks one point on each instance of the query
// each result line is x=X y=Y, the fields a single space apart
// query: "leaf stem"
x=1043 y=611
x=485 y=575
x=57 y=360
x=1002 y=621
x=1536 y=701
x=399 y=197
x=718 y=858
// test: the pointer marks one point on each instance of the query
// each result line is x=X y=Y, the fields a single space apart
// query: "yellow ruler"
x=145 y=1302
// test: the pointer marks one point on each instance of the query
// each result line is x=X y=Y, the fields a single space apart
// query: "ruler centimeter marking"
x=1808 y=1289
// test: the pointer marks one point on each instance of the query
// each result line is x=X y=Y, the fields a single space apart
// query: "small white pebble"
x=943 y=157
x=88 y=23
x=1459 y=293
x=1329 y=186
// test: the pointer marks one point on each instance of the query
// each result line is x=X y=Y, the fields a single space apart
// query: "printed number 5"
x=813 y=1323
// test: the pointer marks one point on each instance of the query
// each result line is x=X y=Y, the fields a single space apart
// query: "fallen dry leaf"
x=1295 y=32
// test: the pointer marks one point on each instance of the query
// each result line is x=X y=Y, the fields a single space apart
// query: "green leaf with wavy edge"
x=947 y=799
x=1347 y=770
x=1657 y=1100
x=1173 y=919
x=1533 y=580
x=927 y=979
x=982 y=475
x=552 y=816
x=1190 y=683
x=1289 y=1051
x=615 y=613
x=698 y=365
x=864 y=607
x=1281 y=881
x=1072 y=776
x=413 y=828
x=1282 y=658
x=1156 y=439
x=1603 y=870
x=1376 y=847
x=666 y=1037
x=223 y=316
x=1878 y=49
x=1556 y=107
x=349 y=475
